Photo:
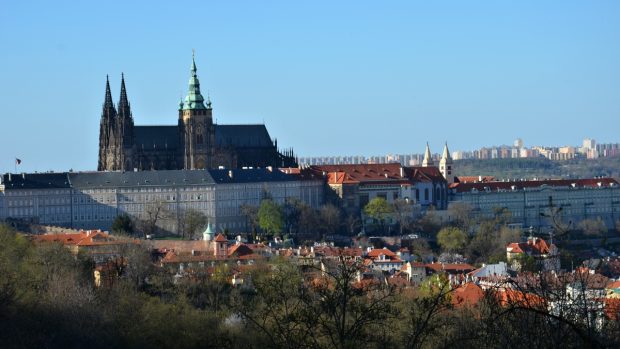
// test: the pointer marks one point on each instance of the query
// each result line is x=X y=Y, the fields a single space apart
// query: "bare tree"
x=190 y=222
x=251 y=214
x=154 y=212
x=354 y=223
x=460 y=214
x=593 y=227
x=403 y=213
x=329 y=216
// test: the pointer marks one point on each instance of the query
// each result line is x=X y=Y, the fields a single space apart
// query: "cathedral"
x=194 y=143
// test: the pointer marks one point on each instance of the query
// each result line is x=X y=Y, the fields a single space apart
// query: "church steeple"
x=196 y=126
x=446 y=165
x=123 y=104
x=428 y=158
x=446 y=153
x=194 y=99
x=108 y=106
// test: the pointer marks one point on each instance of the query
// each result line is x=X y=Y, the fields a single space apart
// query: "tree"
x=308 y=221
x=502 y=215
x=460 y=214
x=353 y=224
x=270 y=217
x=483 y=244
x=331 y=310
x=154 y=212
x=251 y=214
x=451 y=239
x=191 y=221
x=593 y=227
x=123 y=225
x=403 y=213
x=429 y=223
x=329 y=216
x=378 y=209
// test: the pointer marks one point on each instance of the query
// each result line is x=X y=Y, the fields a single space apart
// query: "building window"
x=426 y=194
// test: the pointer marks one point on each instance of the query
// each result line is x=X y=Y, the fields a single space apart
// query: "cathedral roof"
x=156 y=137
x=242 y=136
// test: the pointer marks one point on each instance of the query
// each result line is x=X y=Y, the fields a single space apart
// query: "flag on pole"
x=18 y=161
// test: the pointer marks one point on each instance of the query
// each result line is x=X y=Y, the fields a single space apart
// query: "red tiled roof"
x=467 y=295
x=379 y=251
x=424 y=174
x=533 y=246
x=83 y=238
x=615 y=284
x=390 y=173
x=519 y=185
x=65 y=239
x=220 y=238
x=450 y=267
x=511 y=297
x=181 y=246
x=612 y=308
x=475 y=179
x=239 y=250
x=357 y=173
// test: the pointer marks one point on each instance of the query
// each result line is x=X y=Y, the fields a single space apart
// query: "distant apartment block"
x=589 y=149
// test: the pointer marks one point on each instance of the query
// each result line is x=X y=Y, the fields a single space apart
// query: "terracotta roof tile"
x=220 y=238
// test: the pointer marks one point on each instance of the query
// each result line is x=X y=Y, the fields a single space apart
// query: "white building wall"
x=527 y=205
x=96 y=208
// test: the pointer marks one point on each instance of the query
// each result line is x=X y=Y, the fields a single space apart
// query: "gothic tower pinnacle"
x=123 y=103
x=446 y=165
x=108 y=105
x=106 y=128
x=428 y=157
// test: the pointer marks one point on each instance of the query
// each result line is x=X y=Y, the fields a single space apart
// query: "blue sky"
x=327 y=78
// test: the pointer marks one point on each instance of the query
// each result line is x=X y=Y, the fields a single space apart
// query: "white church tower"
x=446 y=165
x=428 y=157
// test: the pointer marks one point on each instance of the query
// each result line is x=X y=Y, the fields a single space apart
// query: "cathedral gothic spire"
x=108 y=106
x=124 y=110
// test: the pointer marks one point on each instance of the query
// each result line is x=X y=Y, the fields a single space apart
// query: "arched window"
x=199 y=138
x=426 y=194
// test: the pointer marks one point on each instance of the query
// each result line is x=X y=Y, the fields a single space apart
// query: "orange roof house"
x=467 y=295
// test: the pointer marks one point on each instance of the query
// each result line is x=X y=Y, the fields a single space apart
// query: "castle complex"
x=194 y=143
